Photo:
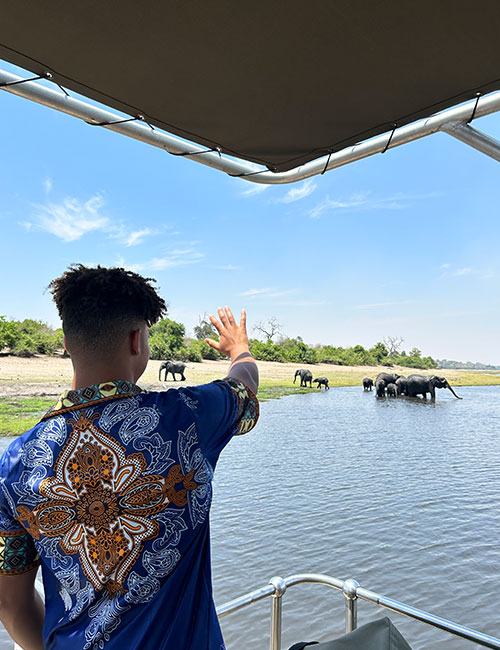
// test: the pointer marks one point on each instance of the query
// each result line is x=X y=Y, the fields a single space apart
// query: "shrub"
x=166 y=339
x=25 y=346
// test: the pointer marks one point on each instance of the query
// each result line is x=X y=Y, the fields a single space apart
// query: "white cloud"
x=137 y=237
x=450 y=272
x=171 y=259
x=363 y=201
x=70 y=219
x=47 y=185
x=255 y=292
x=267 y=292
x=228 y=267
x=297 y=193
x=255 y=188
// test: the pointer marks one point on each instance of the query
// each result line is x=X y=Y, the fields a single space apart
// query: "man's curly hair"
x=99 y=305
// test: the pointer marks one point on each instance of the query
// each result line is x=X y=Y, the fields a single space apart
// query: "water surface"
x=402 y=495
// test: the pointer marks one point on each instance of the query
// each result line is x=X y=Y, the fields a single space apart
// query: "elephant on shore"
x=305 y=376
x=367 y=383
x=402 y=384
x=388 y=378
x=392 y=390
x=322 y=381
x=421 y=385
x=173 y=367
x=380 y=388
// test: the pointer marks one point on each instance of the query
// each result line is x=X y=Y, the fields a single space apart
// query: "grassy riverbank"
x=28 y=387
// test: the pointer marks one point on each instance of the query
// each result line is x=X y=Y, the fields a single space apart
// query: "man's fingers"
x=213 y=344
x=243 y=320
x=230 y=316
x=222 y=316
x=216 y=323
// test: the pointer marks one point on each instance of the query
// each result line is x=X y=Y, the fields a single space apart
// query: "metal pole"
x=474 y=138
x=351 y=605
x=139 y=131
x=276 y=612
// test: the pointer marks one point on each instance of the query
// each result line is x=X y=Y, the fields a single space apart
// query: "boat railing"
x=352 y=592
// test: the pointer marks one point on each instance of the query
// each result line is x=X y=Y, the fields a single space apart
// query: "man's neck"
x=99 y=374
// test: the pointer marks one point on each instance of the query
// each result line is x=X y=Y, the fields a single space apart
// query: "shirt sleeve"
x=17 y=549
x=221 y=410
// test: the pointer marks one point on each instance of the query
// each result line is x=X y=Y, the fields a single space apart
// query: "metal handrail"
x=352 y=591
x=453 y=121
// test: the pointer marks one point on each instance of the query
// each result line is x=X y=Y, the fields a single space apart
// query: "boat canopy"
x=277 y=84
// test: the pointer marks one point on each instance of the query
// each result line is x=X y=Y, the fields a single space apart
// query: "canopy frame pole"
x=474 y=138
x=247 y=171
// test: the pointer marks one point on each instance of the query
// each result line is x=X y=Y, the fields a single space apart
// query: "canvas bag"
x=378 y=635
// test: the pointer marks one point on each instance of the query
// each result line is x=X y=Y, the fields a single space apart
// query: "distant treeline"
x=465 y=365
x=28 y=337
x=168 y=340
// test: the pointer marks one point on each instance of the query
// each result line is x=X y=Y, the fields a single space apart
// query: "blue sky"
x=401 y=244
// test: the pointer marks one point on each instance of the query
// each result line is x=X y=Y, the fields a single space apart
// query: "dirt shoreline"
x=42 y=376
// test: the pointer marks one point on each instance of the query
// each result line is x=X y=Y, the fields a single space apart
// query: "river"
x=402 y=495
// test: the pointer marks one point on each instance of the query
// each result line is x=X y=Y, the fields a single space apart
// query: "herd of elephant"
x=306 y=377
x=394 y=385
x=390 y=384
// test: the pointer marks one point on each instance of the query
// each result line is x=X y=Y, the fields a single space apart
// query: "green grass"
x=275 y=391
x=17 y=415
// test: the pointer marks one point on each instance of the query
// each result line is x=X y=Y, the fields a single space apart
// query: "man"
x=110 y=492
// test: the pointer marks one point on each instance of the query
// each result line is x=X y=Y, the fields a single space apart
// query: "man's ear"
x=65 y=345
x=135 y=342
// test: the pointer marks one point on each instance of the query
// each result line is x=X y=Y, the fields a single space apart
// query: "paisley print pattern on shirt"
x=100 y=501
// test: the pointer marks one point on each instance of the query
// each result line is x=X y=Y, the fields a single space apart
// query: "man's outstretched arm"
x=233 y=342
x=22 y=610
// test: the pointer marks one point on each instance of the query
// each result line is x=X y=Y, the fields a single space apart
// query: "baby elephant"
x=392 y=390
x=322 y=381
x=380 y=388
x=367 y=383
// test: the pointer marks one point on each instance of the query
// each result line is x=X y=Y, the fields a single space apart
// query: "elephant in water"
x=420 y=385
x=392 y=390
x=402 y=384
x=388 y=378
x=367 y=383
x=305 y=376
x=322 y=381
x=173 y=367
x=380 y=388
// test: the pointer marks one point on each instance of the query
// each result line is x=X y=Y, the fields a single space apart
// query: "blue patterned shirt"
x=110 y=493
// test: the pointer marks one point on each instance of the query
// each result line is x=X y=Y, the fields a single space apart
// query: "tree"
x=269 y=328
x=393 y=345
x=166 y=339
x=9 y=333
x=205 y=329
x=379 y=352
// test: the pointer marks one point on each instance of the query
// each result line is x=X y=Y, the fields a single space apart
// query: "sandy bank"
x=49 y=376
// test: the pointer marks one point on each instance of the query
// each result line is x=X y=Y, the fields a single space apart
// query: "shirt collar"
x=90 y=395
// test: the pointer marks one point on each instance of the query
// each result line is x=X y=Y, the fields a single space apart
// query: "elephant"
x=392 y=390
x=402 y=384
x=380 y=388
x=420 y=385
x=389 y=378
x=322 y=381
x=172 y=367
x=305 y=376
x=367 y=383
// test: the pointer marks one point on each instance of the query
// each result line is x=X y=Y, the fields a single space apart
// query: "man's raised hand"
x=233 y=338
